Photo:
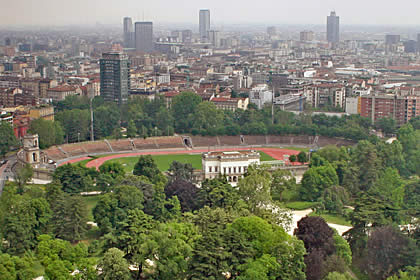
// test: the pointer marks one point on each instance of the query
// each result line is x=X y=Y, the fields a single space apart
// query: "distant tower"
x=115 y=77
x=333 y=28
x=31 y=149
x=204 y=24
x=144 y=36
x=128 y=33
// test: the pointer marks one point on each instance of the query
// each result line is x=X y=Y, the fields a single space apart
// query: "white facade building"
x=260 y=95
x=233 y=165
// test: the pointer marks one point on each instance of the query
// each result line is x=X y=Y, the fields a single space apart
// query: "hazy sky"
x=59 y=12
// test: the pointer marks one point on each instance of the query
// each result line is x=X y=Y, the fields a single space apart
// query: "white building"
x=233 y=165
x=260 y=95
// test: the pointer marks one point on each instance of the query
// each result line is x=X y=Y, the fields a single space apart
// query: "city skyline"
x=281 y=12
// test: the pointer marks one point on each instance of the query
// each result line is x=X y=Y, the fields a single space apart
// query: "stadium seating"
x=169 y=142
x=121 y=145
x=202 y=141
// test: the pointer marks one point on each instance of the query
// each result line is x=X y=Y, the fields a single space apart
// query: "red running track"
x=277 y=154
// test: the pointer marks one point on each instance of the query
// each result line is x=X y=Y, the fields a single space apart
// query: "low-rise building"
x=232 y=165
x=61 y=92
x=260 y=95
x=45 y=112
x=231 y=104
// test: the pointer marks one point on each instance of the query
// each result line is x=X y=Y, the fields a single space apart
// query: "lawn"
x=91 y=201
x=300 y=205
x=164 y=161
x=333 y=219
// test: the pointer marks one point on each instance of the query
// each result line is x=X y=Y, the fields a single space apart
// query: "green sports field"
x=164 y=161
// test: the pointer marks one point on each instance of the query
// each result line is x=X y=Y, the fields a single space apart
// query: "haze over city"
x=359 y=12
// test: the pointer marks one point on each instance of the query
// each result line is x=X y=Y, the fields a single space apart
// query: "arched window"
x=34 y=158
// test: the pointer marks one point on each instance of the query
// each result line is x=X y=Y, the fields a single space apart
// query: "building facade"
x=115 y=77
x=333 y=28
x=204 y=24
x=402 y=108
x=144 y=36
x=260 y=95
x=232 y=165
x=128 y=33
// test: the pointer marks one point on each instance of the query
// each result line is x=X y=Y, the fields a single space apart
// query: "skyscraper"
x=204 y=24
x=333 y=28
x=115 y=77
x=144 y=36
x=128 y=33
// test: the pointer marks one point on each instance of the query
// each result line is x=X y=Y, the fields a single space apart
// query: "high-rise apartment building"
x=333 y=28
x=204 y=24
x=144 y=36
x=115 y=77
x=271 y=30
x=402 y=107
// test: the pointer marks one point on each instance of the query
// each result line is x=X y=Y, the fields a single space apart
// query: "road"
x=297 y=215
x=6 y=172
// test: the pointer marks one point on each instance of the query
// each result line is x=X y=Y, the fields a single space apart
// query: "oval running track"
x=277 y=154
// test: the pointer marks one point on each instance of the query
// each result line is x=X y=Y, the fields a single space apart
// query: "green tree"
x=112 y=208
x=106 y=120
x=168 y=248
x=24 y=220
x=22 y=176
x=207 y=117
x=343 y=249
x=316 y=180
x=302 y=157
x=147 y=167
x=131 y=129
x=282 y=180
x=12 y=267
x=76 y=124
x=338 y=276
x=50 y=133
x=388 y=125
x=293 y=158
x=113 y=266
x=183 y=109
x=254 y=188
x=180 y=171
x=115 y=169
x=334 y=199
x=73 y=178
x=7 y=138
x=217 y=193
x=70 y=218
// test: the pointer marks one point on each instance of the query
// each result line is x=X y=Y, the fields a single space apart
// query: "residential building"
x=61 y=92
x=232 y=104
x=214 y=38
x=232 y=165
x=402 y=108
x=261 y=95
x=45 y=112
x=115 y=77
x=323 y=95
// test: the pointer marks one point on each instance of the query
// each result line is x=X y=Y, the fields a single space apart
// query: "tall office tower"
x=204 y=24
x=128 y=31
x=333 y=28
x=391 y=39
x=115 y=77
x=144 y=36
